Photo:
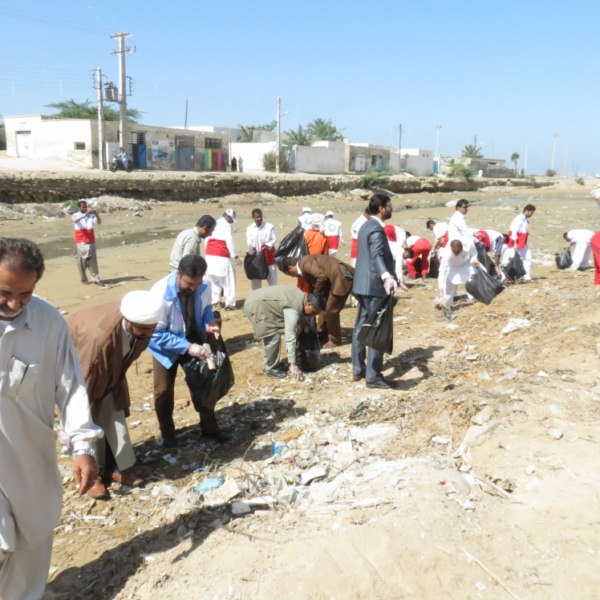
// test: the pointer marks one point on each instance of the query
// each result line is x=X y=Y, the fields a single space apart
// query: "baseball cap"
x=231 y=213
x=329 y=213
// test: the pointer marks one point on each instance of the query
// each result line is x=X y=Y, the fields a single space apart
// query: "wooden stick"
x=494 y=577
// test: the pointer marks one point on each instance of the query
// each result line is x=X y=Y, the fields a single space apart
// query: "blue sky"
x=509 y=75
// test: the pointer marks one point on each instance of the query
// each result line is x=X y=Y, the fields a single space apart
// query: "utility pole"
x=277 y=133
x=437 y=148
x=186 y=111
x=400 y=148
x=122 y=86
x=100 y=120
x=554 y=135
x=525 y=161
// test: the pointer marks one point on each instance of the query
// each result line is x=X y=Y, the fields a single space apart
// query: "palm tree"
x=471 y=151
x=324 y=129
x=515 y=158
x=69 y=109
x=249 y=134
x=298 y=137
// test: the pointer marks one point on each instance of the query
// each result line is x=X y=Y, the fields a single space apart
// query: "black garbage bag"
x=484 y=258
x=255 y=266
x=483 y=286
x=514 y=269
x=378 y=330
x=208 y=386
x=293 y=246
x=434 y=266
x=308 y=347
x=564 y=260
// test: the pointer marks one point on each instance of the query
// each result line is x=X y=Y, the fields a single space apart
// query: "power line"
x=24 y=15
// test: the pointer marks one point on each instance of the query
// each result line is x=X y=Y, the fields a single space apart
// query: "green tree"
x=471 y=151
x=515 y=156
x=269 y=162
x=249 y=134
x=325 y=130
x=2 y=135
x=69 y=109
x=298 y=137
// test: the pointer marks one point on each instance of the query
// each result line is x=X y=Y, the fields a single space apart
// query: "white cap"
x=306 y=209
x=142 y=307
x=316 y=221
x=230 y=213
x=329 y=213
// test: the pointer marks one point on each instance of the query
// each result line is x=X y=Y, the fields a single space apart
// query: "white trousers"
x=271 y=279
x=223 y=284
x=24 y=572
x=116 y=435
x=581 y=256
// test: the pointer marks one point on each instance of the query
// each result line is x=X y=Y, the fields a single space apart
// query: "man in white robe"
x=39 y=370
x=581 y=250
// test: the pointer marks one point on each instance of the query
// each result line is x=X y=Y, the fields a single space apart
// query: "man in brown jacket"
x=108 y=339
x=328 y=277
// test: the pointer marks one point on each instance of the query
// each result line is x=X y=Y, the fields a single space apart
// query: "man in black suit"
x=373 y=279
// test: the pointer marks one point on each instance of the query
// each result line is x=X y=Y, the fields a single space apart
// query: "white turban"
x=141 y=307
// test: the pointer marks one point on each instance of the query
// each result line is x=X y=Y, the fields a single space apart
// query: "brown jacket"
x=97 y=334
x=326 y=275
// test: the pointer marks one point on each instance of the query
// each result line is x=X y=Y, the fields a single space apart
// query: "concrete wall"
x=321 y=157
x=251 y=154
x=35 y=137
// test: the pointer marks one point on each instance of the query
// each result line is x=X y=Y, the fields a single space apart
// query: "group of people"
x=84 y=361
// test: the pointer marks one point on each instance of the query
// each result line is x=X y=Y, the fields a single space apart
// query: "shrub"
x=372 y=178
x=268 y=162
x=580 y=181
x=460 y=170
x=550 y=173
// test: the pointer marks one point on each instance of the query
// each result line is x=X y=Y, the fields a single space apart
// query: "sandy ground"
x=476 y=478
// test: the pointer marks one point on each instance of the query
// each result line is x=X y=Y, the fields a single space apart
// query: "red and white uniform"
x=304 y=220
x=492 y=240
x=440 y=233
x=397 y=239
x=354 y=235
x=220 y=253
x=455 y=269
x=457 y=226
x=421 y=248
x=332 y=229
x=263 y=239
x=518 y=236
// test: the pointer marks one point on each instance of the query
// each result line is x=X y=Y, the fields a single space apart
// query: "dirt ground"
x=478 y=477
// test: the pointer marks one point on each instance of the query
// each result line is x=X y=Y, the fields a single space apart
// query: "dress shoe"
x=357 y=376
x=220 y=436
x=378 y=384
x=276 y=373
x=98 y=491
x=127 y=478
x=169 y=441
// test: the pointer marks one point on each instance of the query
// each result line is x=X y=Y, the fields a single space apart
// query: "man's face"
x=16 y=290
x=206 y=231
x=83 y=207
x=528 y=213
x=463 y=209
x=456 y=248
x=258 y=218
x=385 y=212
x=187 y=284
x=309 y=309
x=140 y=332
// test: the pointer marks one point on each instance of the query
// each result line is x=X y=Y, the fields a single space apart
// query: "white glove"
x=197 y=351
x=390 y=285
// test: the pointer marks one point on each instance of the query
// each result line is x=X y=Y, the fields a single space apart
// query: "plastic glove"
x=390 y=285
x=296 y=373
x=197 y=351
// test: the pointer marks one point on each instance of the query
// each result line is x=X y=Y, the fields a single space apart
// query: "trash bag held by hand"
x=255 y=266
x=483 y=286
x=514 y=269
x=378 y=330
x=208 y=386
x=484 y=258
x=293 y=245
x=434 y=266
x=564 y=260
x=308 y=350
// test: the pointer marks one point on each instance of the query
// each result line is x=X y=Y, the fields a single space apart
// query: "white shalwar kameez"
x=256 y=238
x=39 y=370
x=454 y=270
x=220 y=253
x=582 y=251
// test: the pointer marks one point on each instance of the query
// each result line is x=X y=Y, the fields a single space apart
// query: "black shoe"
x=230 y=308
x=169 y=441
x=358 y=377
x=277 y=373
x=379 y=384
x=219 y=436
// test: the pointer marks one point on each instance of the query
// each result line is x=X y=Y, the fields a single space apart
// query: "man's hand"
x=390 y=285
x=296 y=373
x=197 y=351
x=475 y=262
x=84 y=472
x=238 y=261
x=214 y=327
